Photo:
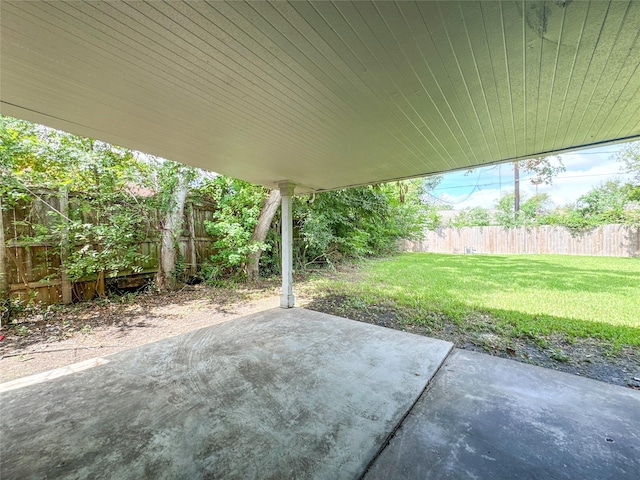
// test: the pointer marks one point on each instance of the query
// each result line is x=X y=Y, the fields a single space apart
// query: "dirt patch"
x=584 y=357
x=62 y=335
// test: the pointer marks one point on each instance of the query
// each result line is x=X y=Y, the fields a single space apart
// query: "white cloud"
x=485 y=198
x=482 y=188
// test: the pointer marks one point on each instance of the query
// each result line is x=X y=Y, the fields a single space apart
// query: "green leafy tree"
x=357 y=222
x=433 y=205
x=471 y=217
x=106 y=221
x=605 y=204
x=238 y=206
x=629 y=157
x=544 y=169
x=173 y=182
x=532 y=211
x=534 y=208
x=506 y=216
x=610 y=202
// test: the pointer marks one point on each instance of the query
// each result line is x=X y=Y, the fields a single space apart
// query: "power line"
x=500 y=182
x=438 y=199
x=588 y=153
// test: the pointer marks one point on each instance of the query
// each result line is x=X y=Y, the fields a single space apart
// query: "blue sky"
x=484 y=186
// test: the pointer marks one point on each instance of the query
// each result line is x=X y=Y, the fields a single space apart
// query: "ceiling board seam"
x=494 y=76
x=631 y=50
x=397 y=107
x=442 y=61
x=537 y=116
x=303 y=107
x=555 y=72
x=595 y=48
x=297 y=48
x=437 y=84
x=637 y=111
x=572 y=71
x=272 y=56
x=311 y=60
x=482 y=86
x=224 y=100
x=365 y=84
x=464 y=81
x=401 y=93
x=415 y=74
x=508 y=73
x=269 y=98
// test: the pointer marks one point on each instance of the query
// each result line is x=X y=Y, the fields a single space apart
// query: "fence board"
x=606 y=240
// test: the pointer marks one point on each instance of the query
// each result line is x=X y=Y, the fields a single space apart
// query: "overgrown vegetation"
x=329 y=227
x=356 y=222
x=106 y=220
x=238 y=206
x=117 y=191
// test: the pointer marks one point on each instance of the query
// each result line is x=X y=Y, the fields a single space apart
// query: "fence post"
x=65 y=283
x=4 y=281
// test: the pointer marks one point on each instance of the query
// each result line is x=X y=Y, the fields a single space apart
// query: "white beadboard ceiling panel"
x=327 y=94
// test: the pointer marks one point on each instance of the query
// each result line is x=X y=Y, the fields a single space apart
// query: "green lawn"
x=522 y=295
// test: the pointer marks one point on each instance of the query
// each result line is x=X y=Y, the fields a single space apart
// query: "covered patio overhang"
x=323 y=95
x=308 y=97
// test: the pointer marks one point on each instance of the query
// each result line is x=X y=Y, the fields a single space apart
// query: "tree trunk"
x=268 y=211
x=65 y=283
x=4 y=282
x=171 y=230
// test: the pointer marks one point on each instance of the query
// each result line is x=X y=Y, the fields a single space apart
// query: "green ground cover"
x=512 y=295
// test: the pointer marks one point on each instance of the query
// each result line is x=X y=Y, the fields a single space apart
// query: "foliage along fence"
x=32 y=271
x=605 y=240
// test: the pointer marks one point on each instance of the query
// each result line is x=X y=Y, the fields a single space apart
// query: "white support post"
x=287 y=300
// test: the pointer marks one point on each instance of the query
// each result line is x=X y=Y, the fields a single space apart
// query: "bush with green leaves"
x=357 y=222
x=104 y=224
x=471 y=217
x=610 y=202
x=238 y=205
x=328 y=227
x=533 y=211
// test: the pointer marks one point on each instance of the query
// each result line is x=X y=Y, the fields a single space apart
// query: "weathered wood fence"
x=606 y=240
x=30 y=270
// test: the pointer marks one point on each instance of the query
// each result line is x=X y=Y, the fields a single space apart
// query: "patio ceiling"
x=325 y=94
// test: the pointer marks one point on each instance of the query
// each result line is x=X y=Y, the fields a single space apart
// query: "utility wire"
x=476 y=187
x=499 y=183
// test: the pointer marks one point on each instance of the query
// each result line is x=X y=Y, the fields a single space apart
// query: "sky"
x=585 y=169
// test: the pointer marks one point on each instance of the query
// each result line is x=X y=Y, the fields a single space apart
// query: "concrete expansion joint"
x=397 y=427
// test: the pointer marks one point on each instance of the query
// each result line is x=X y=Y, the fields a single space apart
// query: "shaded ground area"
x=277 y=394
x=45 y=339
x=586 y=357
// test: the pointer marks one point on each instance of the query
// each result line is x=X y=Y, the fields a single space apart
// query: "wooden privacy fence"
x=30 y=270
x=605 y=240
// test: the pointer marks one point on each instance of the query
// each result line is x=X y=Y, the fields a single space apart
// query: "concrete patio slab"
x=484 y=417
x=278 y=394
